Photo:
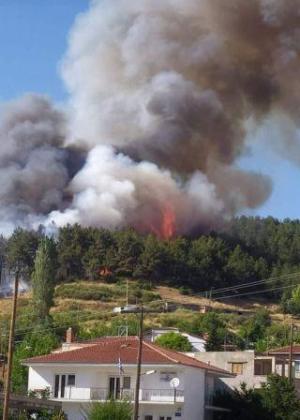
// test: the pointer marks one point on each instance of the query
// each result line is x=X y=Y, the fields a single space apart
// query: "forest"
x=250 y=249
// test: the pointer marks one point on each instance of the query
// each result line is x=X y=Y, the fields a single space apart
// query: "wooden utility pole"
x=290 y=376
x=138 y=368
x=10 y=348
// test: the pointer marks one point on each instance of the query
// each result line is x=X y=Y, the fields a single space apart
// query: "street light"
x=149 y=372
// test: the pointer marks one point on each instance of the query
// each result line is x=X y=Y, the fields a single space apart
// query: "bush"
x=174 y=341
x=276 y=400
x=78 y=291
x=110 y=410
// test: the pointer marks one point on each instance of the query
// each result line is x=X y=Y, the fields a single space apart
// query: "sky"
x=33 y=39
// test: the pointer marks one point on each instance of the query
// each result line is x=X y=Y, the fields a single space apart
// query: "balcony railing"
x=102 y=394
x=162 y=395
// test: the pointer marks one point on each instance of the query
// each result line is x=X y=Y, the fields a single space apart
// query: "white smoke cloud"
x=159 y=95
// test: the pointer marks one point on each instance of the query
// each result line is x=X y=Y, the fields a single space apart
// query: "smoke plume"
x=33 y=162
x=160 y=94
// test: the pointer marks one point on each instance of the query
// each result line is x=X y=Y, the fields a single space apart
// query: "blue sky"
x=33 y=39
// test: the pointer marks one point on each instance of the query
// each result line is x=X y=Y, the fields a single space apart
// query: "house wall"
x=223 y=359
x=39 y=378
x=75 y=411
x=192 y=381
x=197 y=343
x=194 y=392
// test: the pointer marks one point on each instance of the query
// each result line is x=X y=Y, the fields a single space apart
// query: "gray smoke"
x=160 y=96
x=33 y=161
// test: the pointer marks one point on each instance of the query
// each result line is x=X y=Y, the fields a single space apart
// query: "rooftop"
x=108 y=350
x=285 y=350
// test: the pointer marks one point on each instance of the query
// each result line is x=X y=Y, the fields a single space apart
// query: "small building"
x=197 y=343
x=80 y=373
x=247 y=367
x=281 y=361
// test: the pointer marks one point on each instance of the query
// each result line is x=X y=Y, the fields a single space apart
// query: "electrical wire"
x=257 y=292
x=249 y=284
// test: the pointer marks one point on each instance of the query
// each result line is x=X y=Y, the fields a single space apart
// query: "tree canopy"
x=277 y=400
x=174 y=341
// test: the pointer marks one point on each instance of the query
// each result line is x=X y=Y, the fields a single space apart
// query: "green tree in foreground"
x=277 y=400
x=43 y=278
x=280 y=398
x=111 y=410
x=174 y=341
x=35 y=344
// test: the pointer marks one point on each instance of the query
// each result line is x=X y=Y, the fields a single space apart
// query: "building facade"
x=246 y=366
x=81 y=373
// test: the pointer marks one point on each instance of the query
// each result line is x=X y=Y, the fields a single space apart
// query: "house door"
x=114 y=387
x=59 y=386
x=63 y=385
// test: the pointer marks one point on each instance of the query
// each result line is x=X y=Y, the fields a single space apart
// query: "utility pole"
x=10 y=348
x=225 y=342
x=138 y=368
x=290 y=376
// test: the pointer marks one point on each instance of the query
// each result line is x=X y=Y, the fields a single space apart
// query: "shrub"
x=110 y=410
x=77 y=291
x=174 y=341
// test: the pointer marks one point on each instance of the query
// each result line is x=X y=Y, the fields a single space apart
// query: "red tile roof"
x=107 y=351
x=286 y=349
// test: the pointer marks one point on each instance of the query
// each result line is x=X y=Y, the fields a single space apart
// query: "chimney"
x=70 y=336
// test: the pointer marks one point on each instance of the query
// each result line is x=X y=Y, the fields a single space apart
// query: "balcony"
x=167 y=396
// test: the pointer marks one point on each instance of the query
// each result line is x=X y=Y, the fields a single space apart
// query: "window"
x=56 y=386
x=114 y=387
x=165 y=418
x=262 y=367
x=126 y=382
x=60 y=383
x=148 y=417
x=71 y=380
x=237 y=368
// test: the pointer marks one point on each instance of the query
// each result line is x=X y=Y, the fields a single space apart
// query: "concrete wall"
x=223 y=360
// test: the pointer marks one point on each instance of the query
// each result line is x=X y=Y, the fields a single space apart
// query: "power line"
x=249 y=284
x=256 y=292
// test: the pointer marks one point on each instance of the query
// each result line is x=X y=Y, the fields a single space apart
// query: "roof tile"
x=107 y=351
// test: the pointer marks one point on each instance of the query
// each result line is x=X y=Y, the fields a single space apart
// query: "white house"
x=197 y=343
x=79 y=373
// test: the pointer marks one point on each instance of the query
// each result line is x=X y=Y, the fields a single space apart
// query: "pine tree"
x=43 y=278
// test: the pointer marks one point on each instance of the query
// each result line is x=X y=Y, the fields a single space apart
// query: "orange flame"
x=168 y=223
x=167 y=227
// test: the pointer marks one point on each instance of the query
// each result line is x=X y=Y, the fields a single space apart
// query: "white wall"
x=192 y=381
x=197 y=343
x=39 y=378
x=194 y=394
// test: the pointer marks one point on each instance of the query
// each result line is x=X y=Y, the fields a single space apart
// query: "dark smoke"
x=33 y=161
x=160 y=96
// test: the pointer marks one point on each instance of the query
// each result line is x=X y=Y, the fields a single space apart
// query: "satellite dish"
x=174 y=383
